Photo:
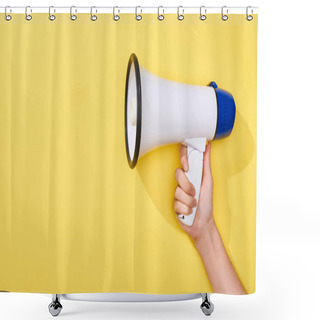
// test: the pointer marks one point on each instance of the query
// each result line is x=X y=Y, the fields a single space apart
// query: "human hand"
x=184 y=196
x=221 y=273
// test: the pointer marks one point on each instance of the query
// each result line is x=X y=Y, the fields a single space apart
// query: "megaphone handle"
x=195 y=160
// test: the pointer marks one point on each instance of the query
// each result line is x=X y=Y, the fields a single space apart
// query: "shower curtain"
x=74 y=217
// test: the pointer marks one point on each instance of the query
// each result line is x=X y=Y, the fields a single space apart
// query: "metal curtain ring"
x=180 y=13
x=224 y=15
x=116 y=17
x=203 y=11
x=52 y=16
x=249 y=16
x=73 y=16
x=138 y=16
x=160 y=16
x=93 y=17
x=28 y=16
x=6 y=15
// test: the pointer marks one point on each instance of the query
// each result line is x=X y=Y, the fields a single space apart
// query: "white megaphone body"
x=160 y=112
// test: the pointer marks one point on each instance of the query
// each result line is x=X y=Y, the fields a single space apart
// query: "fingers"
x=185 y=198
x=184 y=182
x=184 y=158
x=181 y=208
x=184 y=195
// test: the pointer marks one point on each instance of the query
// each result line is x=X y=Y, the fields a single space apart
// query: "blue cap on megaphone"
x=226 y=112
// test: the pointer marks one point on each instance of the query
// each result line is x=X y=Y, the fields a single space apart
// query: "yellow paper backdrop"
x=73 y=216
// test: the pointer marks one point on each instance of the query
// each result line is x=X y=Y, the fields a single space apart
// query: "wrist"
x=208 y=231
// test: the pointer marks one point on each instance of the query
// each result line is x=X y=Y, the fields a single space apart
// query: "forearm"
x=222 y=275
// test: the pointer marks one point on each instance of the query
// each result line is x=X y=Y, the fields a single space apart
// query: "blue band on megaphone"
x=226 y=112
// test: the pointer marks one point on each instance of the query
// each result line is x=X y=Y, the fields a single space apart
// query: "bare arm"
x=204 y=232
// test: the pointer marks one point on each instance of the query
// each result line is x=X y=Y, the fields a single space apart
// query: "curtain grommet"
x=52 y=17
x=249 y=17
x=203 y=13
x=180 y=13
x=7 y=16
x=28 y=16
x=116 y=17
x=160 y=16
x=224 y=13
x=73 y=16
x=93 y=17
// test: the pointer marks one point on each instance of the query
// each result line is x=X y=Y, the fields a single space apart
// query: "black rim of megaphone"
x=133 y=60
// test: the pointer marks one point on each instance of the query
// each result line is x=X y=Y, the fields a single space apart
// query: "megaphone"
x=159 y=112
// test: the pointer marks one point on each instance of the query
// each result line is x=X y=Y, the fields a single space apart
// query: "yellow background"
x=73 y=216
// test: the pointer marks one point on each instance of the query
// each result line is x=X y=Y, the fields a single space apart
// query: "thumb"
x=207 y=163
